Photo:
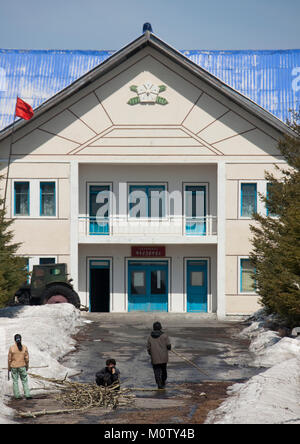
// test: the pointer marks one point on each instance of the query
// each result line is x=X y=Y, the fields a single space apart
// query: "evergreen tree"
x=276 y=241
x=13 y=272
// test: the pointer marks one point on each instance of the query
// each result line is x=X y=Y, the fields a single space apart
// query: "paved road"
x=210 y=344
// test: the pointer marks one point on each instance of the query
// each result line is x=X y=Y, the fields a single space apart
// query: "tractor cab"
x=49 y=285
x=44 y=275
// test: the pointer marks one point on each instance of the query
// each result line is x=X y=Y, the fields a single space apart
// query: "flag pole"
x=9 y=159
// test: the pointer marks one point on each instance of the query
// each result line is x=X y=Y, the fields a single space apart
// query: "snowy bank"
x=273 y=396
x=47 y=331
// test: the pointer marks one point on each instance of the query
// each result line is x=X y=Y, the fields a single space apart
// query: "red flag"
x=23 y=109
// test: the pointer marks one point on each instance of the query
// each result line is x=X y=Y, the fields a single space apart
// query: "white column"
x=221 y=254
x=74 y=214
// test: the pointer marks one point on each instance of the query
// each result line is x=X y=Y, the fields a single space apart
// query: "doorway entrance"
x=197 y=286
x=99 y=286
x=148 y=286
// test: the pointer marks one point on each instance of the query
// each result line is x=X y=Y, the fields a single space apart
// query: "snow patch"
x=272 y=397
x=47 y=331
x=269 y=398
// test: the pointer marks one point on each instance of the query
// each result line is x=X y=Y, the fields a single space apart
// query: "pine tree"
x=12 y=267
x=276 y=241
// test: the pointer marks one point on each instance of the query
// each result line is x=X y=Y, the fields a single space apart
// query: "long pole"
x=9 y=160
x=190 y=362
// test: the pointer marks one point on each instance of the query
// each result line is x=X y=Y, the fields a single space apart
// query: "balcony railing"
x=167 y=226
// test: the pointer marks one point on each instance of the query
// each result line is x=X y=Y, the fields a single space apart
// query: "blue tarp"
x=269 y=78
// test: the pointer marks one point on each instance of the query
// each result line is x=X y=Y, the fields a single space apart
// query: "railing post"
x=121 y=225
x=221 y=231
x=74 y=221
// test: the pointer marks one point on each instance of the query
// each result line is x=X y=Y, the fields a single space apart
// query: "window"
x=34 y=198
x=99 y=209
x=55 y=271
x=47 y=260
x=195 y=209
x=197 y=278
x=21 y=193
x=248 y=199
x=147 y=201
x=158 y=281
x=48 y=200
x=138 y=282
x=246 y=276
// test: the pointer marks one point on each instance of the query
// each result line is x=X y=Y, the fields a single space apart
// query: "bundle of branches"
x=78 y=396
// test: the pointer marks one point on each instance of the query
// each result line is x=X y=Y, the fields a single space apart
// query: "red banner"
x=23 y=109
x=148 y=251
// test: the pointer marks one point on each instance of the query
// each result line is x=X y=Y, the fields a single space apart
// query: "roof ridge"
x=196 y=51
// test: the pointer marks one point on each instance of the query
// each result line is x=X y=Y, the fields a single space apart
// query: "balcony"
x=126 y=229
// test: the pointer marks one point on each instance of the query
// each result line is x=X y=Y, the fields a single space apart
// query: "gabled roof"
x=112 y=59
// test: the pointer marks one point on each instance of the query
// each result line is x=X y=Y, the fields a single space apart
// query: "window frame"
x=41 y=258
x=261 y=206
x=195 y=184
x=252 y=182
x=15 y=215
x=34 y=197
x=184 y=204
x=240 y=270
x=55 y=198
x=88 y=206
x=148 y=184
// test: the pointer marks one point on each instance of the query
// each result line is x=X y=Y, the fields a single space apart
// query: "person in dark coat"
x=108 y=375
x=158 y=347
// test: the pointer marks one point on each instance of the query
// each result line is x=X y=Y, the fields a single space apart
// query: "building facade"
x=143 y=176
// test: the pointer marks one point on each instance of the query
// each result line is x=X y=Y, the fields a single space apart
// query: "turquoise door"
x=195 y=210
x=147 y=286
x=197 y=286
x=99 y=210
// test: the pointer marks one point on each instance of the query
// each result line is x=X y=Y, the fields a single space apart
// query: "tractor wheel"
x=58 y=294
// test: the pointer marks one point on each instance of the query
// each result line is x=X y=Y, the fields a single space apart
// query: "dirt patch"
x=216 y=393
x=199 y=400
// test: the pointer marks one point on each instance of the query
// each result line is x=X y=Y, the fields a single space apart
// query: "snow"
x=47 y=331
x=269 y=398
x=273 y=396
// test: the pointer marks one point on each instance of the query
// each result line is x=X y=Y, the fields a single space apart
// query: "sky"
x=183 y=24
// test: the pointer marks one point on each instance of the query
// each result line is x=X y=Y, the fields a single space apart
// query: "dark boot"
x=164 y=374
x=158 y=375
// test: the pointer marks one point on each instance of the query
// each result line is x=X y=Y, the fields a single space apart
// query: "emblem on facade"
x=148 y=93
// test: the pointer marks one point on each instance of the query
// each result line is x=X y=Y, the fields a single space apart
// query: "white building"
x=142 y=176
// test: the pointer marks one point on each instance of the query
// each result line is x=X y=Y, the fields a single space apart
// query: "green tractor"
x=49 y=285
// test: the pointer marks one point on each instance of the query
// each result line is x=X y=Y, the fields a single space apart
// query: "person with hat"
x=18 y=364
x=158 y=347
